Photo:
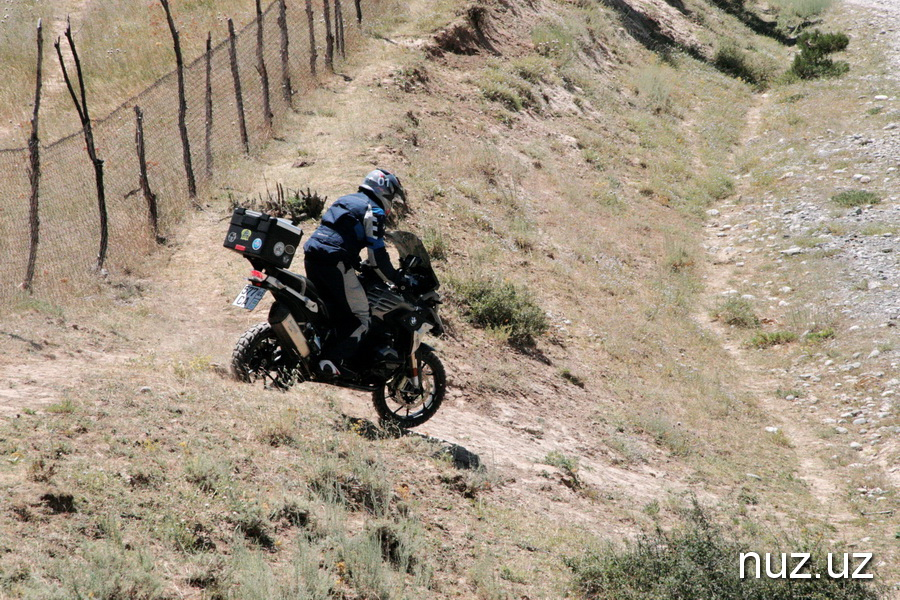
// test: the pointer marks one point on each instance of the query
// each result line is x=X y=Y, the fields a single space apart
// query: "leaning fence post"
x=286 y=87
x=238 y=95
x=209 y=108
x=339 y=27
x=329 y=38
x=263 y=72
x=149 y=196
x=313 y=53
x=82 y=108
x=358 y=12
x=34 y=169
x=182 y=104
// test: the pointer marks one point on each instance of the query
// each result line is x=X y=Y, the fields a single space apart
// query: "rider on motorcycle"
x=353 y=222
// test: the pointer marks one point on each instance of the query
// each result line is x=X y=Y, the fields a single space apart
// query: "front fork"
x=418 y=335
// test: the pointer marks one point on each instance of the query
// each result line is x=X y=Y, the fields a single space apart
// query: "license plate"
x=249 y=297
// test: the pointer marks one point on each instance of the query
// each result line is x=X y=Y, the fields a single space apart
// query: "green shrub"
x=753 y=69
x=853 y=198
x=356 y=483
x=111 y=572
x=766 y=339
x=559 y=460
x=678 y=259
x=665 y=433
x=568 y=465
x=795 y=15
x=737 y=312
x=654 y=85
x=535 y=69
x=552 y=39
x=698 y=560
x=804 y=9
x=249 y=519
x=66 y=407
x=820 y=336
x=503 y=306
x=572 y=378
x=508 y=89
x=435 y=243
x=733 y=61
x=592 y=157
x=812 y=62
x=401 y=542
x=207 y=473
x=501 y=93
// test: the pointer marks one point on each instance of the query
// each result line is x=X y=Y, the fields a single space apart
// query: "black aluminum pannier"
x=262 y=237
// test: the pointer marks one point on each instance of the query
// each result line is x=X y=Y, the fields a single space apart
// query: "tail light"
x=256 y=278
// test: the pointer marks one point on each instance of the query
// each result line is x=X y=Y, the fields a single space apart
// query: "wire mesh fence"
x=69 y=232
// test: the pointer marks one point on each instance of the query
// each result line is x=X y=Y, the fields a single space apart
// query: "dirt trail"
x=53 y=81
x=720 y=270
x=68 y=10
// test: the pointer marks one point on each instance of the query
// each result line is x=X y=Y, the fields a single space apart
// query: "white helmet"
x=385 y=186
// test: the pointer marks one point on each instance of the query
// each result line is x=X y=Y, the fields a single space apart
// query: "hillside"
x=594 y=156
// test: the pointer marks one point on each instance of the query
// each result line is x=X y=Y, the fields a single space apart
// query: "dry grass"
x=124 y=46
x=213 y=477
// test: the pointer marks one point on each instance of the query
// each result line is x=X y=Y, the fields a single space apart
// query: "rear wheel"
x=260 y=356
x=402 y=403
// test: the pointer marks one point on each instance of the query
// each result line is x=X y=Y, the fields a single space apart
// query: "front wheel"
x=260 y=356
x=401 y=403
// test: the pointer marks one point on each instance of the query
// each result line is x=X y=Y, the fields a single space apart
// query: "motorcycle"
x=404 y=374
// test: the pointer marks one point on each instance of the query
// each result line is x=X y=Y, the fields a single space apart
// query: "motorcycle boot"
x=328 y=370
x=336 y=370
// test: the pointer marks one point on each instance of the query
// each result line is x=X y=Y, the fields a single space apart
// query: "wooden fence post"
x=339 y=27
x=182 y=104
x=238 y=94
x=287 y=89
x=34 y=170
x=358 y=12
x=263 y=72
x=209 y=108
x=82 y=108
x=313 y=53
x=329 y=38
x=149 y=196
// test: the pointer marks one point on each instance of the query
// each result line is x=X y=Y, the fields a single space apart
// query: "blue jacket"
x=352 y=223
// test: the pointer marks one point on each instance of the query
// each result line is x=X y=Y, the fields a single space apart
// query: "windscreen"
x=409 y=244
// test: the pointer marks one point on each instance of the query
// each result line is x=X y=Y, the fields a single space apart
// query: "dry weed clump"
x=286 y=203
x=737 y=312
